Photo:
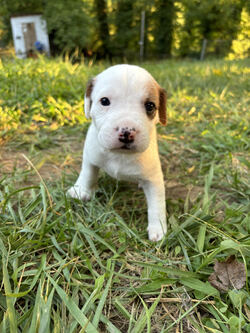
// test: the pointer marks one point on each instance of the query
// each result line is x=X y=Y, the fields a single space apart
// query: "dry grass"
x=69 y=267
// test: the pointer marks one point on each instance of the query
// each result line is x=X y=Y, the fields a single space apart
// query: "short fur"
x=122 y=138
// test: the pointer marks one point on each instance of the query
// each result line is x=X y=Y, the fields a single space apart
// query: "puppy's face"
x=125 y=103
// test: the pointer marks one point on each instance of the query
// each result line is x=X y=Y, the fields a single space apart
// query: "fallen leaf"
x=228 y=274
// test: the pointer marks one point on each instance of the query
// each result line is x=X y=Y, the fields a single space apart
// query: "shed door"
x=29 y=34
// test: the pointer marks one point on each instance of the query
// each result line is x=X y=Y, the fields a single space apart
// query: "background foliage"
x=111 y=28
x=73 y=267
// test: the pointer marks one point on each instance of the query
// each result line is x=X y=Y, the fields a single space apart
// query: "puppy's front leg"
x=155 y=194
x=86 y=182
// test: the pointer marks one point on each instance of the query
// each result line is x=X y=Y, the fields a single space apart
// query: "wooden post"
x=203 y=49
x=141 y=43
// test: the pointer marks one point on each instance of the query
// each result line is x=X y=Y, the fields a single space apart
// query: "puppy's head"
x=125 y=103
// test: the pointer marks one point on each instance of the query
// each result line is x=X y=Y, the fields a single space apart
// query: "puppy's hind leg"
x=86 y=182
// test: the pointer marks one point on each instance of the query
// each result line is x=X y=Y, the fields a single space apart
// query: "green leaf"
x=235 y=324
x=203 y=287
x=238 y=297
x=224 y=245
x=154 y=285
x=230 y=244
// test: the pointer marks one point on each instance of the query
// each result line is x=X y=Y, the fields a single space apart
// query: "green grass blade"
x=9 y=300
x=208 y=183
x=73 y=309
x=46 y=314
x=145 y=316
x=91 y=233
x=3 y=324
x=35 y=279
x=100 y=306
x=36 y=311
x=201 y=238
x=204 y=151
x=182 y=316
x=89 y=304
x=122 y=310
x=167 y=270
x=203 y=287
x=109 y=326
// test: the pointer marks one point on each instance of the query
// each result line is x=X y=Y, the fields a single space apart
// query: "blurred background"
x=135 y=29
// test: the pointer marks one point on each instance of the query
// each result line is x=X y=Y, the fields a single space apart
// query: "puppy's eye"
x=150 y=108
x=105 y=101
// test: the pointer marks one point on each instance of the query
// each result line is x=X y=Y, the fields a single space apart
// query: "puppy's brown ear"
x=163 y=107
x=87 y=98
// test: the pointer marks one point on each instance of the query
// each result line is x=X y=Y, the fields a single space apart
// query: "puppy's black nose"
x=127 y=135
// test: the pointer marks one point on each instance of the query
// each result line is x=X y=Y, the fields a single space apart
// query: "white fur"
x=127 y=88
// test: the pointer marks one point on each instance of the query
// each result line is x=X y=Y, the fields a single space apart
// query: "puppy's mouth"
x=126 y=148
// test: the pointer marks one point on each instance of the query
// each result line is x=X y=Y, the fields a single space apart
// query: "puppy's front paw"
x=77 y=192
x=156 y=232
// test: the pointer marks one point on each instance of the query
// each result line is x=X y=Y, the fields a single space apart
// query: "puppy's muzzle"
x=127 y=135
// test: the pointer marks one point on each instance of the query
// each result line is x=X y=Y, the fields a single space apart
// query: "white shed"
x=29 y=35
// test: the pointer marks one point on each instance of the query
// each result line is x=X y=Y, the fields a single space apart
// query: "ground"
x=74 y=267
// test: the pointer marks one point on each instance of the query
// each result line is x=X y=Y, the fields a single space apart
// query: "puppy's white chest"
x=122 y=167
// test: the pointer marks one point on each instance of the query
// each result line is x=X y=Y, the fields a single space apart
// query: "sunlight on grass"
x=74 y=267
x=43 y=92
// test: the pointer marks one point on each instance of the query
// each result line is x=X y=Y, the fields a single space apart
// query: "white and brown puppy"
x=125 y=103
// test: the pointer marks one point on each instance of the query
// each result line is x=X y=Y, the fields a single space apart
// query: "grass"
x=73 y=267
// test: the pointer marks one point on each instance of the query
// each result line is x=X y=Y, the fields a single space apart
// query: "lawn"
x=69 y=266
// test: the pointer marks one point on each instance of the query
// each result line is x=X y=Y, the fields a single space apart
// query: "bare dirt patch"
x=175 y=190
x=49 y=162
x=66 y=157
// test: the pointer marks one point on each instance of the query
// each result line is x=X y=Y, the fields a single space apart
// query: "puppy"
x=125 y=104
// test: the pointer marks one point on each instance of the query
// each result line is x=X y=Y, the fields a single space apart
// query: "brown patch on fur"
x=89 y=87
x=163 y=107
x=152 y=92
x=152 y=96
x=159 y=96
